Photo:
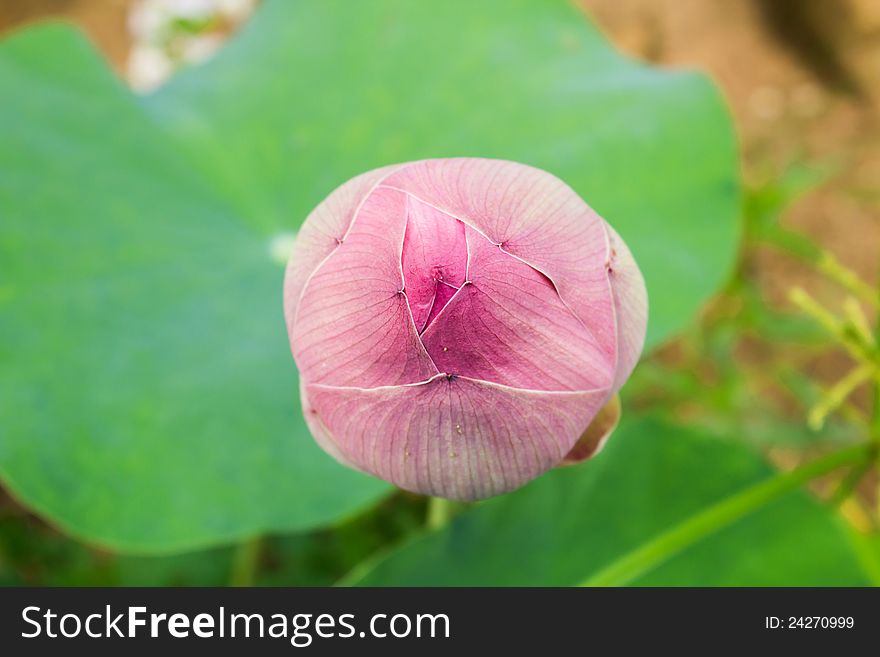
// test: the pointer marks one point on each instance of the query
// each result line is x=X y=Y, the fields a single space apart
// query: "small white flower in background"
x=192 y=8
x=200 y=48
x=148 y=67
x=236 y=10
x=168 y=34
x=146 y=20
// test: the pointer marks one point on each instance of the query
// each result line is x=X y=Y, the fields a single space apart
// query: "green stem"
x=875 y=419
x=245 y=562
x=848 y=484
x=875 y=414
x=439 y=513
x=837 y=394
x=847 y=278
x=692 y=530
x=850 y=338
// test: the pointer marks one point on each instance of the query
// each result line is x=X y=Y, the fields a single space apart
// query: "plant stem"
x=848 y=484
x=875 y=419
x=875 y=414
x=848 y=337
x=846 y=278
x=245 y=562
x=439 y=513
x=669 y=543
x=837 y=394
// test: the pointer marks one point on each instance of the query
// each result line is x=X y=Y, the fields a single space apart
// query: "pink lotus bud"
x=459 y=323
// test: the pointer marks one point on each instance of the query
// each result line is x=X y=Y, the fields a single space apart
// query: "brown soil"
x=802 y=78
x=105 y=21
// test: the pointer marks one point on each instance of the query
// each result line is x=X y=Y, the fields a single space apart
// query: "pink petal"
x=454 y=437
x=316 y=425
x=459 y=323
x=630 y=307
x=509 y=326
x=532 y=215
x=320 y=234
x=434 y=260
x=353 y=325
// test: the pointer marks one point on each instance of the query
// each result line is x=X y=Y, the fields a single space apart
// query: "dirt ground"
x=106 y=21
x=802 y=78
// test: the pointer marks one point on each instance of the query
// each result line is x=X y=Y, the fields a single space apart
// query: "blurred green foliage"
x=34 y=554
x=572 y=522
x=148 y=398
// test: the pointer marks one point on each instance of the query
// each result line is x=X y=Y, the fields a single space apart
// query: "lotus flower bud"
x=459 y=323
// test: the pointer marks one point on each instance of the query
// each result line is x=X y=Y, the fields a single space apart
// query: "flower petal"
x=434 y=260
x=532 y=215
x=321 y=232
x=509 y=326
x=353 y=325
x=452 y=436
x=630 y=307
x=320 y=432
